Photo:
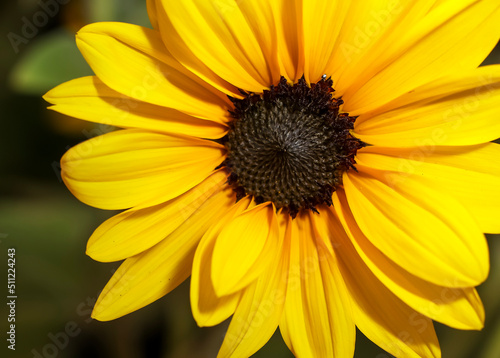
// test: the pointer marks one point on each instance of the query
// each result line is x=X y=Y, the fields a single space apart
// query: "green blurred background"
x=56 y=283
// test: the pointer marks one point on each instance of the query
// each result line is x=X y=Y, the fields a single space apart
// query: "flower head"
x=314 y=165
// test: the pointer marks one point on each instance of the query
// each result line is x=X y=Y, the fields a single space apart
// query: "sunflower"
x=313 y=165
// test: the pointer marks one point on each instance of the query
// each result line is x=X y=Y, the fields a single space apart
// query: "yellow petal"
x=260 y=308
x=317 y=320
x=220 y=35
x=133 y=60
x=322 y=23
x=90 y=99
x=146 y=277
x=244 y=249
x=453 y=37
x=261 y=18
x=132 y=168
x=480 y=79
x=134 y=231
x=457 y=307
x=424 y=231
x=457 y=110
x=152 y=13
x=289 y=24
x=185 y=55
x=385 y=319
x=368 y=30
x=470 y=174
x=208 y=309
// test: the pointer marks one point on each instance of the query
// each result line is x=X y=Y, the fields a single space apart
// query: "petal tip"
x=222 y=285
x=97 y=314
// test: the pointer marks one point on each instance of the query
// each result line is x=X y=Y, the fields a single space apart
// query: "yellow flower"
x=314 y=165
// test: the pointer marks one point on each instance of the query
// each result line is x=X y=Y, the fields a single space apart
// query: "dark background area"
x=57 y=284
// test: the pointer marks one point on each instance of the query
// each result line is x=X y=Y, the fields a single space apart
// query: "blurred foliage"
x=131 y=11
x=50 y=61
x=56 y=283
x=53 y=58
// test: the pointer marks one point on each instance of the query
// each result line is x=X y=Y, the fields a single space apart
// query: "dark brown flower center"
x=290 y=145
